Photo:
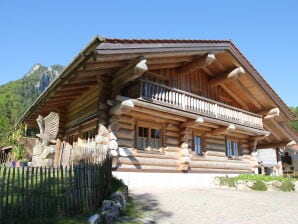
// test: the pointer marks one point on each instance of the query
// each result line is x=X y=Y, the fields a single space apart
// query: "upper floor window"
x=89 y=135
x=232 y=148
x=148 y=136
x=73 y=139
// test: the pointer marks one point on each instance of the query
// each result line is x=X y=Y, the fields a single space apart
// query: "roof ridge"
x=152 y=41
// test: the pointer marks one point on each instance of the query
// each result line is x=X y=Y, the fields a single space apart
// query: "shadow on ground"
x=149 y=208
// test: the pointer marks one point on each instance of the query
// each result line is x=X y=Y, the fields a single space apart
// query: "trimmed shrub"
x=259 y=186
x=287 y=186
x=227 y=181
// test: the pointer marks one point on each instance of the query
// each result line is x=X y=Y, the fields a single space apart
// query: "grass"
x=260 y=180
x=79 y=219
x=131 y=213
x=24 y=193
x=264 y=178
x=117 y=185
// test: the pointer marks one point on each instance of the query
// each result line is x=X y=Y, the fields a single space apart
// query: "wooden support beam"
x=291 y=143
x=233 y=74
x=129 y=73
x=138 y=107
x=276 y=145
x=273 y=133
x=251 y=97
x=93 y=73
x=123 y=107
x=259 y=137
x=235 y=97
x=281 y=128
x=272 y=113
x=156 y=75
x=223 y=130
x=196 y=64
x=274 y=110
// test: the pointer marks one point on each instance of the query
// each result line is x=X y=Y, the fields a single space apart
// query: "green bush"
x=287 y=186
x=117 y=185
x=227 y=181
x=259 y=186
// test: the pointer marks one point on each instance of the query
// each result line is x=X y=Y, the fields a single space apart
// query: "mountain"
x=17 y=96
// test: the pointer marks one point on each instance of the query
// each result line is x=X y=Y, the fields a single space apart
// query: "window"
x=72 y=139
x=148 y=137
x=89 y=135
x=232 y=148
x=197 y=145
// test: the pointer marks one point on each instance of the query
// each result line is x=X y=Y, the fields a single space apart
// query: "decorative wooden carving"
x=48 y=127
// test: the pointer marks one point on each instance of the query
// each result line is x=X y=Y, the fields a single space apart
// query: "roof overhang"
x=104 y=56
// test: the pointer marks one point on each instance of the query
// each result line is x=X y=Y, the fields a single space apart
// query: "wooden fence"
x=88 y=151
x=34 y=192
x=5 y=157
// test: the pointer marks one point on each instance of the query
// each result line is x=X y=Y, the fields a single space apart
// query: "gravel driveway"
x=192 y=198
x=215 y=205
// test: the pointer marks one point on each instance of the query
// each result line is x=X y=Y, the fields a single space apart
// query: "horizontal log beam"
x=272 y=113
x=197 y=64
x=223 y=130
x=129 y=73
x=219 y=165
x=156 y=75
x=220 y=79
x=121 y=108
x=276 y=145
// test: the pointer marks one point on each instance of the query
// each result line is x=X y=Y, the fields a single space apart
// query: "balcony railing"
x=196 y=104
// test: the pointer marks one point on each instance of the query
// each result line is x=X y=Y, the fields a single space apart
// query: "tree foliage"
x=17 y=96
x=294 y=124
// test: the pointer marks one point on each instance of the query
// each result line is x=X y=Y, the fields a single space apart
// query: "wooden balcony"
x=185 y=101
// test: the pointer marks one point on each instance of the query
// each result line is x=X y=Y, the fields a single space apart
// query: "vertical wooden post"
x=58 y=152
x=279 y=162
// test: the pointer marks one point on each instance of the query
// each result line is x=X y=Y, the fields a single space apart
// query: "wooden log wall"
x=176 y=147
x=92 y=103
x=85 y=105
x=163 y=160
x=215 y=159
x=194 y=82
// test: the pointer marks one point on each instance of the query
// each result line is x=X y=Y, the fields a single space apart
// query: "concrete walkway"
x=191 y=198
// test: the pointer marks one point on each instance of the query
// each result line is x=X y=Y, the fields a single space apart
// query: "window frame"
x=200 y=136
x=238 y=151
x=202 y=143
x=150 y=126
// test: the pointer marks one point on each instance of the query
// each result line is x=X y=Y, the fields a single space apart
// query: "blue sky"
x=53 y=32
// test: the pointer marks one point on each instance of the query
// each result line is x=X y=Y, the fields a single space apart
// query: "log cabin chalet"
x=171 y=105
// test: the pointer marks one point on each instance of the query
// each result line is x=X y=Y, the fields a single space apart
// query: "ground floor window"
x=197 y=144
x=232 y=148
x=148 y=136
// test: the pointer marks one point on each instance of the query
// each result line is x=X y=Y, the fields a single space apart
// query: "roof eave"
x=67 y=71
x=261 y=81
